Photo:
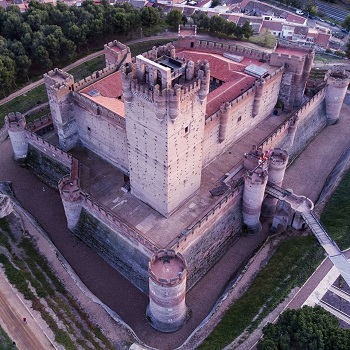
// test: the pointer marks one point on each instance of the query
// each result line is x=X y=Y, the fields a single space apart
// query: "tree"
x=346 y=22
x=174 y=18
x=7 y=73
x=217 y=24
x=215 y=3
x=150 y=17
x=305 y=328
x=247 y=30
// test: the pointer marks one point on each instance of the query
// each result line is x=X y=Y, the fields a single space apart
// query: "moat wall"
x=127 y=257
x=46 y=168
x=206 y=242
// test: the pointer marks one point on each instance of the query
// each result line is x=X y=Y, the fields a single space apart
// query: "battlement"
x=99 y=110
x=338 y=78
x=295 y=45
x=167 y=268
x=219 y=47
x=49 y=149
x=69 y=189
x=216 y=209
x=39 y=123
x=112 y=220
x=163 y=50
x=95 y=76
x=58 y=79
x=15 y=121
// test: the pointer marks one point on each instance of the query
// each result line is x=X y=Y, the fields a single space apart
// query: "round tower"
x=259 y=86
x=337 y=84
x=278 y=160
x=167 y=290
x=71 y=199
x=292 y=129
x=253 y=194
x=16 y=126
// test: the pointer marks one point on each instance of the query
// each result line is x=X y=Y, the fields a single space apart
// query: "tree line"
x=46 y=36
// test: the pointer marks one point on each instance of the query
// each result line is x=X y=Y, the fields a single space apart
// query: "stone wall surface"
x=48 y=169
x=203 y=245
x=102 y=136
x=126 y=256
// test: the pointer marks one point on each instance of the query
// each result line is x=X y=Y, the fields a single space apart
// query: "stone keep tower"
x=59 y=85
x=337 y=84
x=165 y=103
x=167 y=291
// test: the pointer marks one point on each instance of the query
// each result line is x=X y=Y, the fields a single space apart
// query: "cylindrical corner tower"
x=71 y=199
x=253 y=195
x=167 y=290
x=16 y=124
x=278 y=160
x=337 y=84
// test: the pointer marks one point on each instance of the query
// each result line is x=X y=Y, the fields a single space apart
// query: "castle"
x=167 y=194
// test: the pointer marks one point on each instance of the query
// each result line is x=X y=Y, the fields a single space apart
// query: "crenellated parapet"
x=219 y=47
x=167 y=291
x=16 y=126
x=336 y=87
x=95 y=76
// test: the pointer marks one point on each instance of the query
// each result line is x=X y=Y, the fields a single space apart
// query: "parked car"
x=344 y=30
x=299 y=12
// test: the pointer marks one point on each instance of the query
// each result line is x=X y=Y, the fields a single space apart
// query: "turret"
x=259 y=85
x=224 y=116
x=59 y=86
x=16 y=126
x=167 y=291
x=337 y=85
x=292 y=129
x=116 y=52
x=203 y=74
x=255 y=179
x=71 y=199
x=277 y=165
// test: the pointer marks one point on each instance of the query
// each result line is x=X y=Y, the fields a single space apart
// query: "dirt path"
x=27 y=335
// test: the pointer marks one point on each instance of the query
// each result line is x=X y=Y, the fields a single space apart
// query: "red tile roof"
x=229 y=72
x=322 y=39
x=110 y=86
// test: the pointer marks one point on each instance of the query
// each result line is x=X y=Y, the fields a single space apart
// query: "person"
x=24 y=320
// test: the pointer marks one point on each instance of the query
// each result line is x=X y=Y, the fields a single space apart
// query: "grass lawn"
x=23 y=103
x=291 y=265
x=299 y=256
x=5 y=341
x=335 y=216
